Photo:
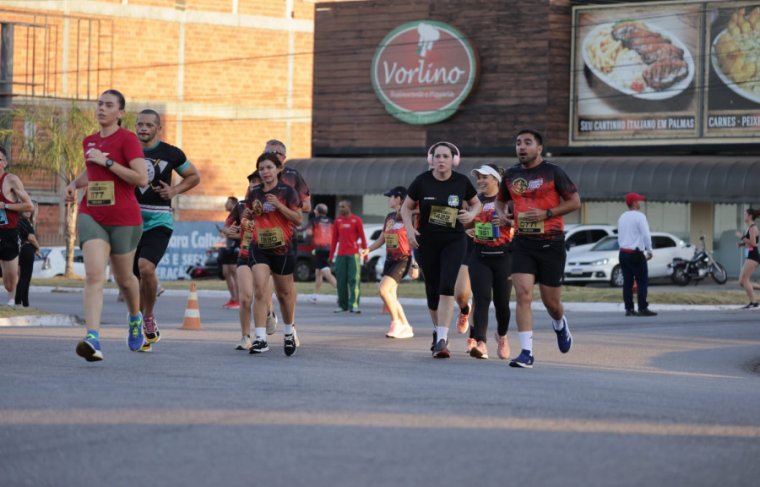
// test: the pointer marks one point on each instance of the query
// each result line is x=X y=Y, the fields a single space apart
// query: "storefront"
x=656 y=98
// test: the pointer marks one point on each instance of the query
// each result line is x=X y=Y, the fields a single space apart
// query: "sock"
x=136 y=317
x=95 y=334
x=261 y=333
x=526 y=340
x=465 y=310
x=287 y=329
x=442 y=333
x=558 y=324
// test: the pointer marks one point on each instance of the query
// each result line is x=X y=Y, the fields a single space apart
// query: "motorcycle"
x=683 y=271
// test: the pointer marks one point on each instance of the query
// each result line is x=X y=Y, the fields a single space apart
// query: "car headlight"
x=600 y=262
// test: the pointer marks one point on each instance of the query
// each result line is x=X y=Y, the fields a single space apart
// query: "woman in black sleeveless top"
x=29 y=247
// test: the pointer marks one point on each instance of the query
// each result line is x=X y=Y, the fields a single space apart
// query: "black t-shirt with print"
x=440 y=201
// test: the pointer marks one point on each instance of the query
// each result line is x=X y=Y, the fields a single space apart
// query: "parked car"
x=52 y=262
x=601 y=264
x=209 y=268
x=580 y=238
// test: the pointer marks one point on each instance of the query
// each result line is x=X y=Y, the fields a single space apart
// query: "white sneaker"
x=313 y=299
x=245 y=343
x=394 y=329
x=405 y=331
x=271 y=323
x=12 y=303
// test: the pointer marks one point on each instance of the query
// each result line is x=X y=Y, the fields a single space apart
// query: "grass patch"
x=416 y=289
x=8 y=312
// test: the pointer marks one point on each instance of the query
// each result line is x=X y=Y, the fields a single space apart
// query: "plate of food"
x=638 y=59
x=735 y=54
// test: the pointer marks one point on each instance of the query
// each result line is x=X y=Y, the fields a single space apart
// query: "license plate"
x=576 y=271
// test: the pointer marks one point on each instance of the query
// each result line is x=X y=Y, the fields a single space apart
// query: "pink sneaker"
x=405 y=331
x=471 y=343
x=502 y=346
x=479 y=351
x=462 y=322
x=234 y=305
x=394 y=329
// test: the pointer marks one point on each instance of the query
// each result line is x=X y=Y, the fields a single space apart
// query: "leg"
x=126 y=280
x=286 y=296
x=10 y=277
x=353 y=280
x=148 y=285
x=551 y=297
x=524 y=294
x=95 y=254
x=341 y=274
x=327 y=275
x=261 y=294
x=481 y=278
x=627 y=269
x=318 y=282
x=463 y=288
x=744 y=278
x=26 y=265
x=244 y=277
x=387 y=288
x=642 y=279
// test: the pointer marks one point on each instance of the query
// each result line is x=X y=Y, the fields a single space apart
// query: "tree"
x=49 y=138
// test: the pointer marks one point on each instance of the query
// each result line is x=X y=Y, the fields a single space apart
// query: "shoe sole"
x=520 y=365
x=156 y=339
x=88 y=352
x=254 y=351
x=475 y=353
x=146 y=348
x=241 y=348
x=271 y=328
x=403 y=336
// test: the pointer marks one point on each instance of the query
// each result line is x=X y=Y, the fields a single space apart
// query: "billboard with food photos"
x=664 y=73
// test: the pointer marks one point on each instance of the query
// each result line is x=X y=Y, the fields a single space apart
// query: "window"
x=597 y=235
x=579 y=238
x=662 y=242
x=608 y=243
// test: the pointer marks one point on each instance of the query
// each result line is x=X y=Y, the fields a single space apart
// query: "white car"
x=52 y=262
x=601 y=264
x=580 y=238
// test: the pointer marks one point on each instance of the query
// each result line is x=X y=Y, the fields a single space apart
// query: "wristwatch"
x=109 y=163
x=549 y=213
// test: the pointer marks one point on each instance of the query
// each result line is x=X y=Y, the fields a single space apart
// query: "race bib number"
x=484 y=231
x=100 y=193
x=444 y=216
x=391 y=240
x=531 y=228
x=270 y=238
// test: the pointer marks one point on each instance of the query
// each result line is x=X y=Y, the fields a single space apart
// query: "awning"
x=718 y=179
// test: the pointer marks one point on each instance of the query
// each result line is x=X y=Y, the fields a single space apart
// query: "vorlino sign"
x=423 y=70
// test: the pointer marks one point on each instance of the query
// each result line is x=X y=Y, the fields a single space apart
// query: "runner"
x=320 y=229
x=228 y=257
x=155 y=201
x=398 y=261
x=13 y=201
x=276 y=210
x=109 y=222
x=440 y=239
x=489 y=267
x=239 y=225
x=541 y=193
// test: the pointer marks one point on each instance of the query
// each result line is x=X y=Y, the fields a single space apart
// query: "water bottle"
x=496 y=229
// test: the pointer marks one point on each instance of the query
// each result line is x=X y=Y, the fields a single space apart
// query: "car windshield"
x=609 y=243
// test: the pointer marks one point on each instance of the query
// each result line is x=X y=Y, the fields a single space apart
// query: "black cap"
x=399 y=191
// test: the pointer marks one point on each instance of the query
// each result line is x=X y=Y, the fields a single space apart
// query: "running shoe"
x=647 y=312
x=259 y=346
x=523 y=361
x=463 y=322
x=290 y=344
x=89 y=348
x=564 y=338
x=479 y=351
x=356 y=310
x=12 y=303
x=234 y=305
x=245 y=343
x=135 y=338
x=152 y=335
x=146 y=348
x=160 y=291
x=271 y=323
x=502 y=346
x=405 y=331
x=313 y=299
x=471 y=343
x=394 y=329
x=750 y=306
x=441 y=350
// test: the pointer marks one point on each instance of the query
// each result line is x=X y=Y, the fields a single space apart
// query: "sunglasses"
x=274 y=152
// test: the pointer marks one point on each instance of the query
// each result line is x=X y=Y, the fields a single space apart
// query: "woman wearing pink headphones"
x=440 y=238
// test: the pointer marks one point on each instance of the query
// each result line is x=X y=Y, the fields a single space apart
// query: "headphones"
x=454 y=152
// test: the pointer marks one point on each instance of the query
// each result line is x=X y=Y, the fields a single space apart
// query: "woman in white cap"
x=489 y=265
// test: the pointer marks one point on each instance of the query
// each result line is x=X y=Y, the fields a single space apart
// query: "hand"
x=465 y=217
x=470 y=232
x=414 y=272
x=364 y=253
x=97 y=157
x=649 y=255
x=166 y=191
x=274 y=201
x=247 y=214
x=71 y=193
x=534 y=215
x=738 y=234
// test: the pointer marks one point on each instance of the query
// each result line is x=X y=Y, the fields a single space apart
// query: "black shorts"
x=397 y=269
x=242 y=260
x=280 y=264
x=544 y=259
x=321 y=259
x=10 y=243
x=754 y=255
x=229 y=255
x=152 y=246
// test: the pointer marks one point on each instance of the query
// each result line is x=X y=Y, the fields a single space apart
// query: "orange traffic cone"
x=192 y=319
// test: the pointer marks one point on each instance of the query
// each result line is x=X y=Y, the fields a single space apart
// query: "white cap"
x=487 y=171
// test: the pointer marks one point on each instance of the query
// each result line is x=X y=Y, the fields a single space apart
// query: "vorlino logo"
x=423 y=70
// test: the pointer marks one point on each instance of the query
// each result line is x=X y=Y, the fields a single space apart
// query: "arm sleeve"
x=470 y=191
x=414 y=189
x=504 y=195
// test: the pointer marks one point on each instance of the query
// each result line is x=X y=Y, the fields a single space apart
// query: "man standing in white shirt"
x=635 y=250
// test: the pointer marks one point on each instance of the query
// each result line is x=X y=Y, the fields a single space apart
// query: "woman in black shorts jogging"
x=749 y=241
x=490 y=265
x=440 y=239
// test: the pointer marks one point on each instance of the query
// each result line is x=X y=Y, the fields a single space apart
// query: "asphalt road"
x=671 y=400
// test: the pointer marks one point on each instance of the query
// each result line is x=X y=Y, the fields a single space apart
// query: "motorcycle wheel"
x=680 y=276
x=718 y=273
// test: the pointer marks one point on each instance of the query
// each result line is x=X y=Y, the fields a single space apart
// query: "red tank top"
x=8 y=218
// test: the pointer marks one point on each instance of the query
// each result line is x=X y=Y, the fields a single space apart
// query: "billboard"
x=187 y=247
x=664 y=73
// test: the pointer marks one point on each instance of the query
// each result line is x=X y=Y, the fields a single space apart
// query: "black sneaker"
x=750 y=306
x=259 y=346
x=441 y=350
x=631 y=312
x=647 y=312
x=290 y=344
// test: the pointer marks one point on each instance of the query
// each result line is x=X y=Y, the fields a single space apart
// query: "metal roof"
x=719 y=179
